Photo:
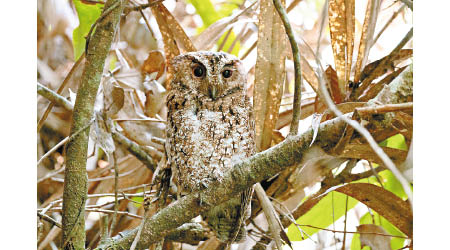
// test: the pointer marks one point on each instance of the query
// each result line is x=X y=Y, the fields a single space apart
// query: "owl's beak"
x=212 y=92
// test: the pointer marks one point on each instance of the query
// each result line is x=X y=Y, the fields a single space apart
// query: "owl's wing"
x=244 y=213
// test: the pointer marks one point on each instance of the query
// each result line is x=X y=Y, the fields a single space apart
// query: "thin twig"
x=385 y=108
x=388 y=23
x=140 y=9
x=408 y=3
x=60 y=89
x=99 y=210
x=351 y=232
x=365 y=133
x=54 y=98
x=253 y=46
x=51 y=174
x=144 y=6
x=322 y=25
x=298 y=72
x=116 y=201
x=49 y=219
x=141 y=226
x=67 y=139
x=345 y=222
x=269 y=212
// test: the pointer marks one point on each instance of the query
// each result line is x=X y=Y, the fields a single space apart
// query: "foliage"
x=130 y=110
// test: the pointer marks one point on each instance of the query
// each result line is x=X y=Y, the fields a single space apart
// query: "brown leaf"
x=333 y=85
x=364 y=151
x=395 y=58
x=370 y=20
x=374 y=241
x=338 y=33
x=269 y=73
x=113 y=99
x=387 y=204
x=375 y=88
x=101 y=134
x=155 y=98
x=350 y=26
x=155 y=62
x=285 y=117
x=173 y=35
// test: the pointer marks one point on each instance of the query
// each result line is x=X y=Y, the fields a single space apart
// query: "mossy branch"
x=75 y=181
x=243 y=175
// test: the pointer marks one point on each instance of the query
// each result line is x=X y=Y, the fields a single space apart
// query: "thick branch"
x=75 y=181
x=255 y=169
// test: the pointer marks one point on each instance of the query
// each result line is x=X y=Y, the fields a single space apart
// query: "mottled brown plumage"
x=210 y=128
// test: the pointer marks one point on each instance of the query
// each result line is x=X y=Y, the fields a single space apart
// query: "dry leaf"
x=155 y=98
x=155 y=62
x=269 y=73
x=375 y=88
x=113 y=99
x=173 y=36
x=395 y=58
x=285 y=117
x=364 y=151
x=333 y=85
x=101 y=134
x=129 y=79
x=370 y=20
x=338 y=33
x=374 y=241
x=387 y=204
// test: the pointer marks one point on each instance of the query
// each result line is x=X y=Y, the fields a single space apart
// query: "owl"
x=210 y=128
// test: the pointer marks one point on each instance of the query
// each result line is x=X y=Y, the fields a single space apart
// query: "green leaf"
x=397 y=141
x=138 y=199
x=321 y=215
x=210 y=15
x=396 y=243
x=87 y=15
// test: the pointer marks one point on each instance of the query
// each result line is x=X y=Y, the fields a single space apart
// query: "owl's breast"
x=205 y=143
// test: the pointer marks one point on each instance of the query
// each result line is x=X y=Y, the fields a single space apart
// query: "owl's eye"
x=226 y=73
x=199 y=71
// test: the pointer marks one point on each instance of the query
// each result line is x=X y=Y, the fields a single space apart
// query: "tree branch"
x=298 y=72
x=255 y=169
x=75 y=181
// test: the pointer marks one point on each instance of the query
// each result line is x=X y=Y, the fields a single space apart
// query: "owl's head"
x=213 y=74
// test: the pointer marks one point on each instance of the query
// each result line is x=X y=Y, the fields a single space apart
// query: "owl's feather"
x=210 y=131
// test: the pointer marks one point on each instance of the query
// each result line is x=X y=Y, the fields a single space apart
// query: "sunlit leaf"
x=209 y=15
x=375 y=241
x=211 y=35
x=338 y=33
x=87 y=15
x=173 y=35
x=395 y=242
x=321 y=215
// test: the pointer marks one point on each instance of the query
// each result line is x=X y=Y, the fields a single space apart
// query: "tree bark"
x=255 y=169
x=75 y=180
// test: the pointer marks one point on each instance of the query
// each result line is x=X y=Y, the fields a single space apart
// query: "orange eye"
x=226 y=73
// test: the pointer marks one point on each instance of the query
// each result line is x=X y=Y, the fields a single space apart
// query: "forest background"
x=17 y=199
